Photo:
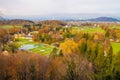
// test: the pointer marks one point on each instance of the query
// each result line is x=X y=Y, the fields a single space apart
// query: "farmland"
x=89 y=29
x=9 y=26
x=117 y=27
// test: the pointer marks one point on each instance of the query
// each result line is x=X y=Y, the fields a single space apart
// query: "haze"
x=47 y=7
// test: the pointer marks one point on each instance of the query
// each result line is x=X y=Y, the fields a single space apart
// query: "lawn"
x=22 y=41
x=42 y=49
x=89 y=29
x=115 y=46
x=8 y=26
x=117 y=27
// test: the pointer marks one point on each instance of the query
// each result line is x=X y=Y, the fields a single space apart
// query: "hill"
x=1 y=18
x=15 y=22
x=104 y=19
x=52 y=22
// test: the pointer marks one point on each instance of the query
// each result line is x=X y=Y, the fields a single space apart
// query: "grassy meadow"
x=117 y=27
x=115 y=46
x=8 y=26
x=42 y=49
x=89 y=29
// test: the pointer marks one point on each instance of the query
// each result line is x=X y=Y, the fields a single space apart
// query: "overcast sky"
x=46 y=7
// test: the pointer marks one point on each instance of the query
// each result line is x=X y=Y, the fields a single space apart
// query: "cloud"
x=40 y=7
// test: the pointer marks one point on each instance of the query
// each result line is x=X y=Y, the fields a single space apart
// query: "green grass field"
x=8 y=26
x=89 y=29
x=42 y=49
x=115 y=46
x=22 y=41
x=117 y=27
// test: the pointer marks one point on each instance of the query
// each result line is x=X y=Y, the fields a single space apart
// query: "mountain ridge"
x=15 y=22
x=104 y=19
x=1 y=18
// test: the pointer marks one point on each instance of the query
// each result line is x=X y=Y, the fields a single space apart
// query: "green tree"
x=107 y=34
x=117 y=66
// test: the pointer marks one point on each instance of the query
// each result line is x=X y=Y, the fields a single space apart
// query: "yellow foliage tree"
x=69 y=47
x=96 y=37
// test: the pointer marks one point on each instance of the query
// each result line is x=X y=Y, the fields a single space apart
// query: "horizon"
x=61 y=17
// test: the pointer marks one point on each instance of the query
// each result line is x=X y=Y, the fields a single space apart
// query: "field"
x=42 y=49
x=89 y=29
x=115 y=46
x=117 y=27
x=22 y=41
x=8 y=26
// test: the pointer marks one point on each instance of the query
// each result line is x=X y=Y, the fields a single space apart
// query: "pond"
x=27 y=47
x=30 y=46
x=42 y=49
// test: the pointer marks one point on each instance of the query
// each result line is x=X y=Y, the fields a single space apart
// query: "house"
x=5 y=52
x=19 y=35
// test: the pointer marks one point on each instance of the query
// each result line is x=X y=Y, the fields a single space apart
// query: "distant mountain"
x=16 y=22
x=1 y=18
x=104 y=19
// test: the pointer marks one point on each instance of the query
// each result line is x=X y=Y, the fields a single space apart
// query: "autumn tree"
x=117 y=67
x=78 y=68
x=69 y=47
x=82 y=45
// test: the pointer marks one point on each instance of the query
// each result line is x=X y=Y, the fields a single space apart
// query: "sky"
x=47 y=7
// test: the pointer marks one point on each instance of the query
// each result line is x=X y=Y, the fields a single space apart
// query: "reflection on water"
x=27 y=47
x=30 y=46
